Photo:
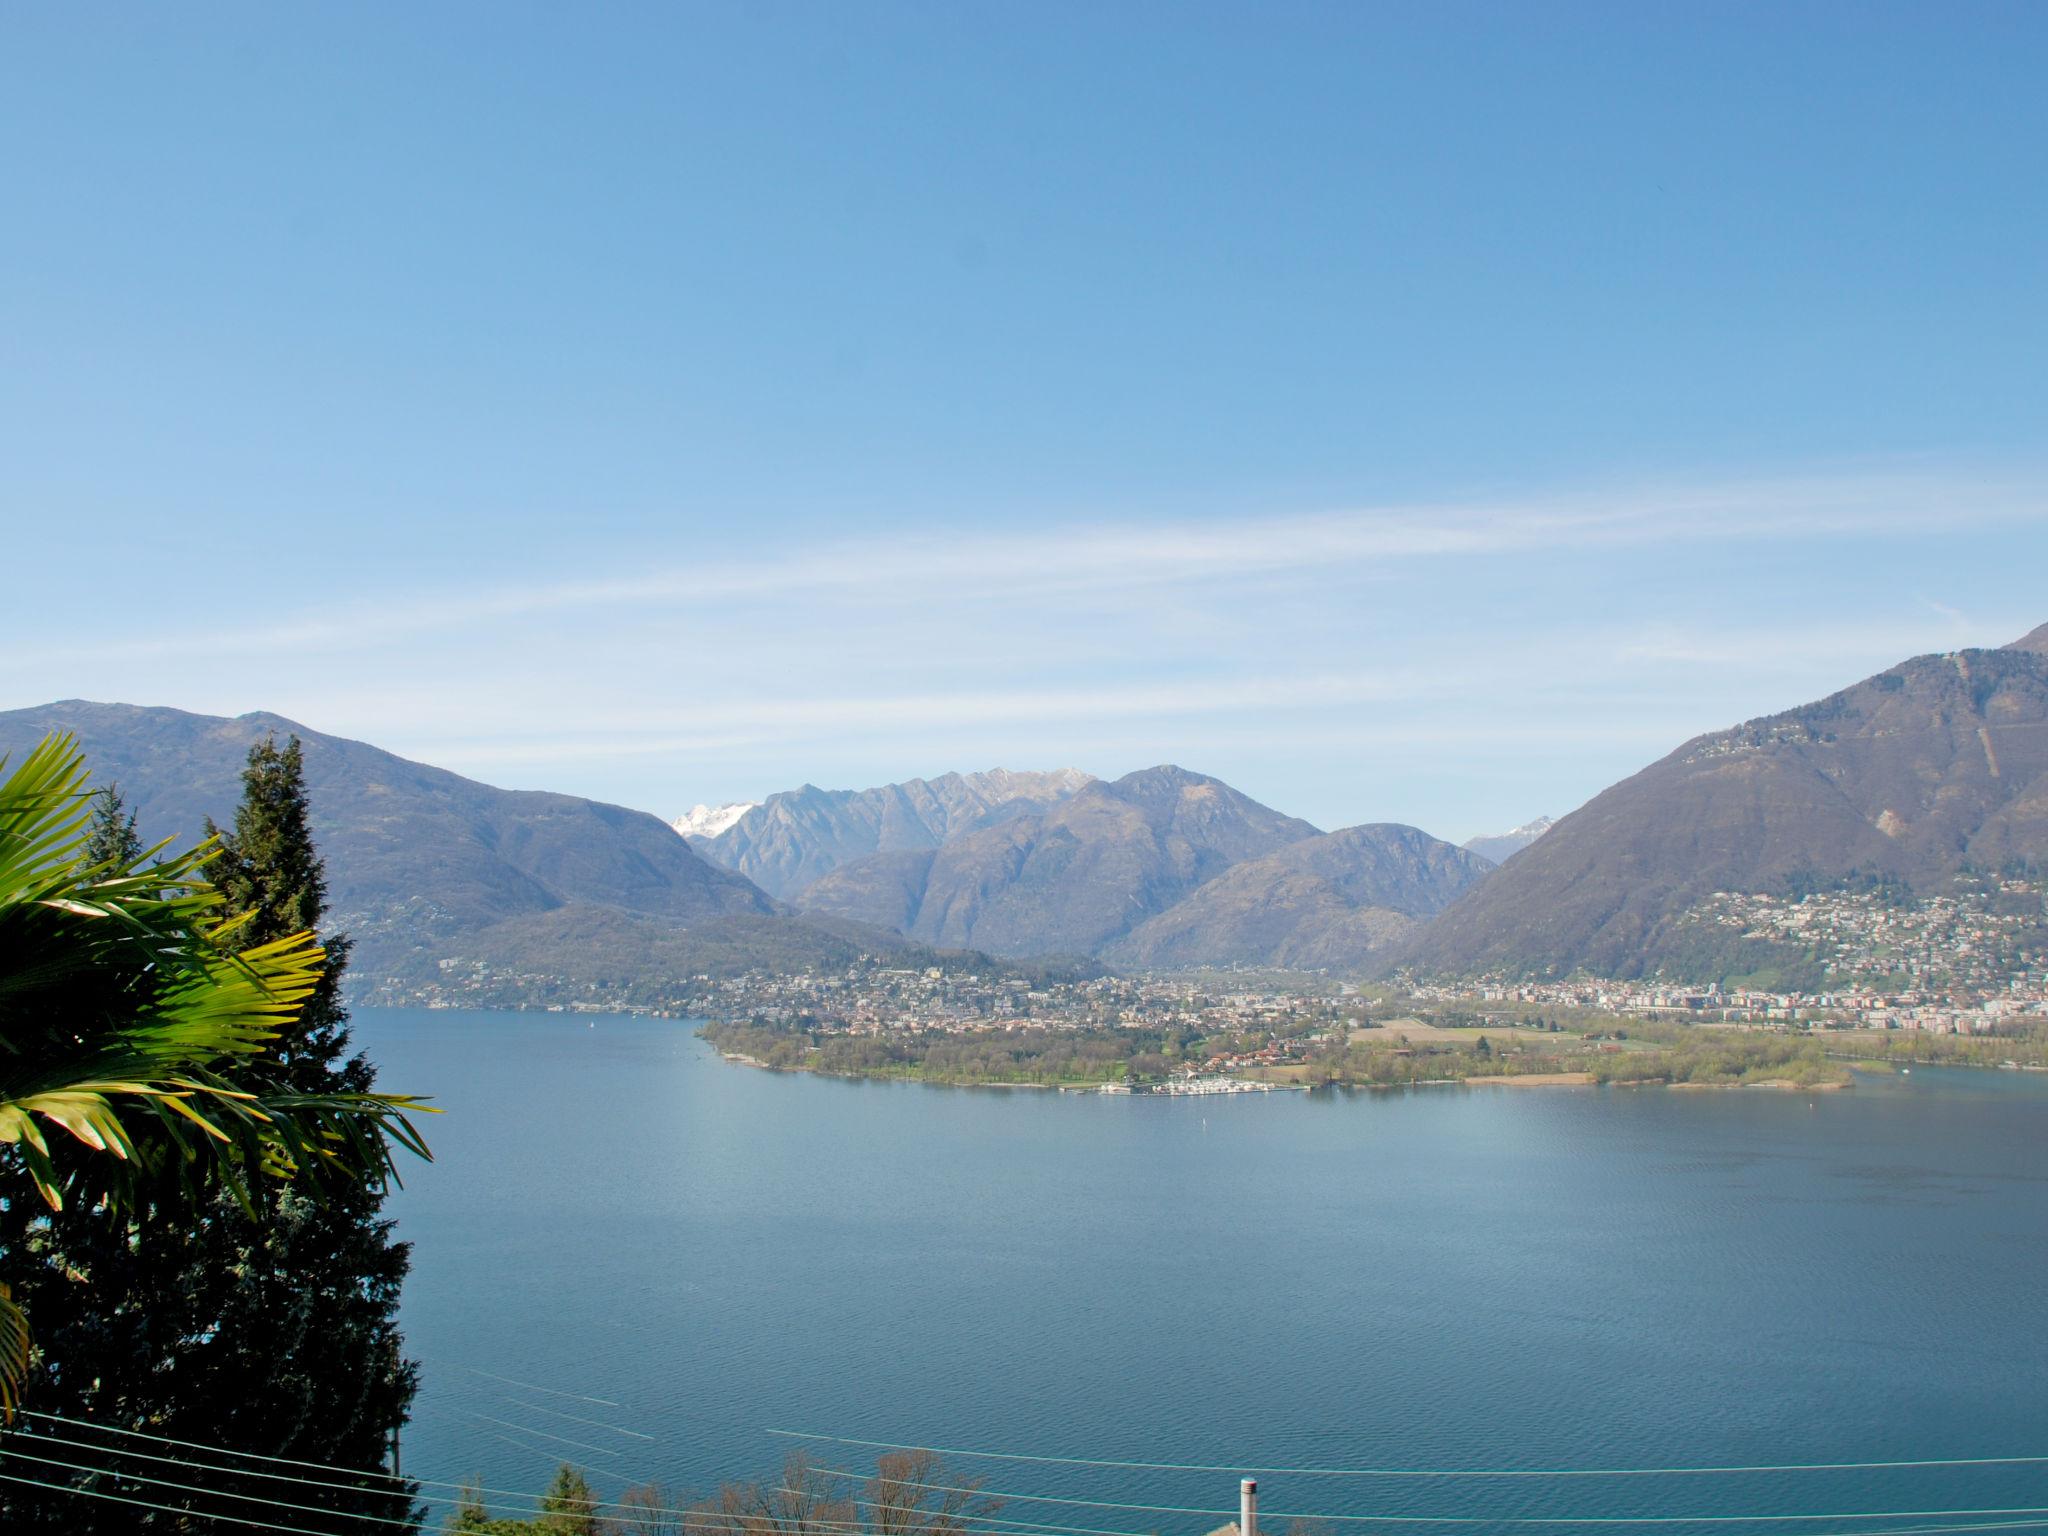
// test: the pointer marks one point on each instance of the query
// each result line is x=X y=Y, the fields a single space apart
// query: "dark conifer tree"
x=113 y=839
x=272 y=1330
x=319 y=1348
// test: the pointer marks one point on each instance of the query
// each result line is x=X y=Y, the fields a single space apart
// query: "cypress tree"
x=270 y=1330
x=320 y=1349
x=270 y=873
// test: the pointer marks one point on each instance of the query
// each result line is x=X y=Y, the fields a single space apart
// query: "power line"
x=1542 y=1520
x=287 y=1461
x=1855 y=1514
x=1020 y=1527
x=694 y=1519
x=44 y=1438
x=594 y=1505
x=476 y=1391
x=293 y=1530
x=558 y=1413
x=581 y=1445
x=1033 y=1528
x=1026 y=1526
x=553 y=1391
x=1436 y=1472
x=222 y=1450
x=169 y=1509
x=218 y=1493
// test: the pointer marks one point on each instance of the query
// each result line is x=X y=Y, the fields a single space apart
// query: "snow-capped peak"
x=710 y=820
x=1499 y=845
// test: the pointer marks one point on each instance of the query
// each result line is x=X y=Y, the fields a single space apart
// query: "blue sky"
x=1424 y=413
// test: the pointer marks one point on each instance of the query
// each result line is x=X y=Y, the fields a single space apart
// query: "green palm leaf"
x=133 y=1037
x=13 y=1353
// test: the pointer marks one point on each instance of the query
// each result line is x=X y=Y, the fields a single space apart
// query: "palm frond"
x=14 y=1343
x=132 y=1025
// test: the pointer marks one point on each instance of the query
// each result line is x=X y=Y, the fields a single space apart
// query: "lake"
x=687 y=1254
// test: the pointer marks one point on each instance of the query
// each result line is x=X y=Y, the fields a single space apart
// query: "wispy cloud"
x=1798 y=647
x=1447 y=665
x=719 y=725
x=1109 y=559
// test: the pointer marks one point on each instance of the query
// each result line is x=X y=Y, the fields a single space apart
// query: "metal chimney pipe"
x=1248 y=1508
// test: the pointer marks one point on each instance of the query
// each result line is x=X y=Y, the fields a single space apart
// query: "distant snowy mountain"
x=1496 y=847
x=710 y=820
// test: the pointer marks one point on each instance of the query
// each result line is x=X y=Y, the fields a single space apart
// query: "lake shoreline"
x=1504 y=1080
x=741 y=1059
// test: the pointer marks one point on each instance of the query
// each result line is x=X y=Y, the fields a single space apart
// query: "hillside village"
x=1972 y=960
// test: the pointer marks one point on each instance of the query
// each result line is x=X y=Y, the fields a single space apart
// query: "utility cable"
x=552 y=1391
x=169 y=1509
x=1646 y=1520
x=44 y=1438
x=287 y=1461
x=1027 y=1527
x=293 y=1530
x=1540 y=1520
x=577 y=1417
x=1439 y=1472
x=659 y=1516
x=581 y=1445
x=692 y=1519
x=64 y=1443
x=218 y=1493
x=475 y=1391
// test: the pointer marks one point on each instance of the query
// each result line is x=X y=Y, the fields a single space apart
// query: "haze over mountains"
x=1934 y=764
x=430 y=869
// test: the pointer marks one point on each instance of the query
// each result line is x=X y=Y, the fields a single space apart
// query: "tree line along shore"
x=1444 y=1046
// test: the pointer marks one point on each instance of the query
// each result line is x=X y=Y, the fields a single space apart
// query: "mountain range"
x=1066 y=879
x=1934 y=764
x=1341 y=900
x=1160 y=868
x=429 y=870
x=799 y=836
x=707 y=821
x=426 y=866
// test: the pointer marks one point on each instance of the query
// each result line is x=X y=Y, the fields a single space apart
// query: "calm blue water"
x=1524 y=1278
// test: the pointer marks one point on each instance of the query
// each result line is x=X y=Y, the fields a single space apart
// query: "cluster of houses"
x=873 y=998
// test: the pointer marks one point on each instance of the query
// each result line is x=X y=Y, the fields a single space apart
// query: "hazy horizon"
x=1403 y=414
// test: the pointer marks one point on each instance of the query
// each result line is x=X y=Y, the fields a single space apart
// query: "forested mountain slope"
x=420 y=860
x=1336 y=901
x=798 y=836
x=1069 y=879
x=1938 y=762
